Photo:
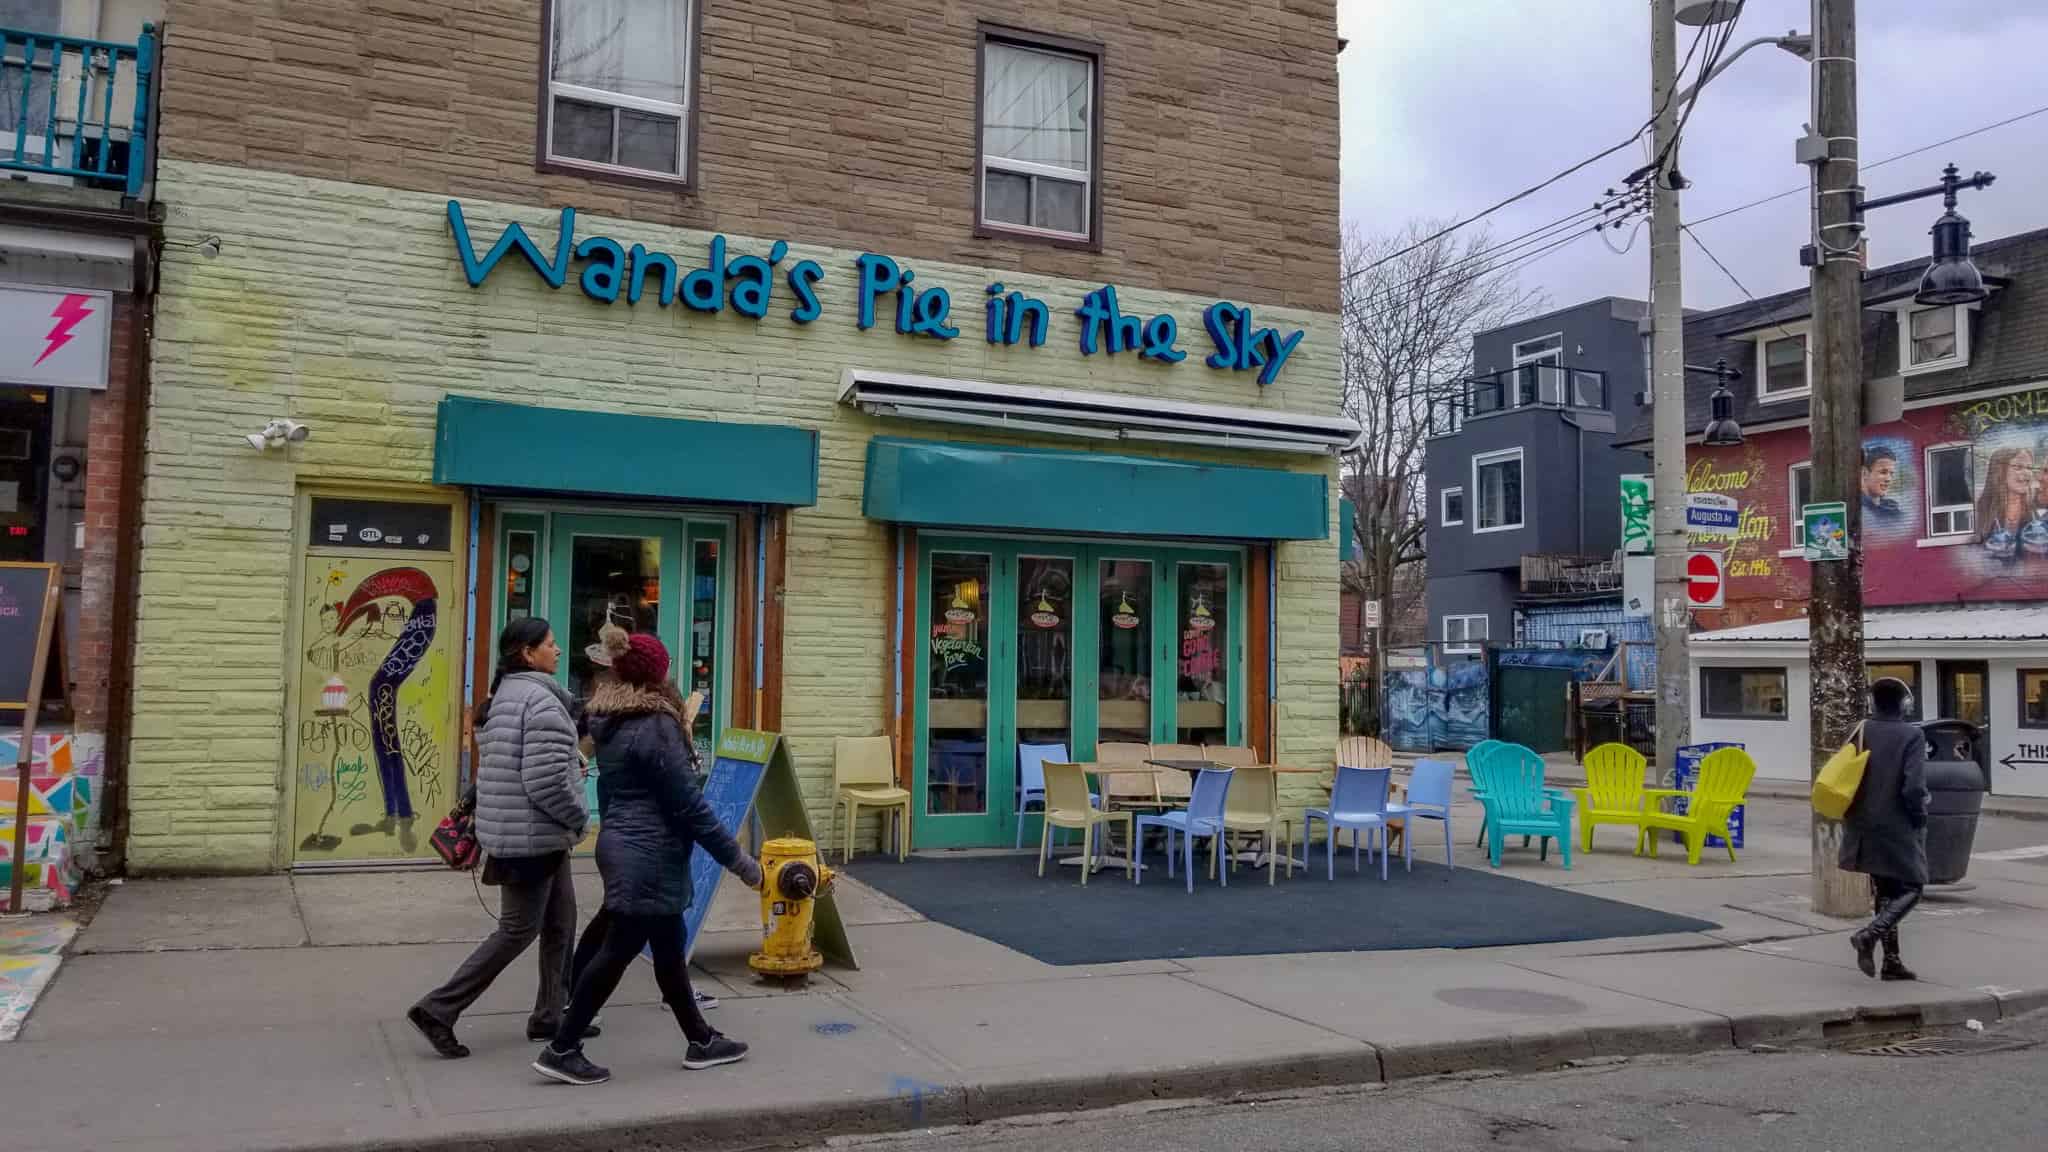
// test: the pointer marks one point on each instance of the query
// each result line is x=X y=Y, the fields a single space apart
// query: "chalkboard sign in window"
x=384 y=525
x=24 y=595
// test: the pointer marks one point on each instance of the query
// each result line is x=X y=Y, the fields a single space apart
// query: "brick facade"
x=90 y=662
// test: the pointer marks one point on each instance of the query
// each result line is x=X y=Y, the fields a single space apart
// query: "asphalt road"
x=1814 y=1101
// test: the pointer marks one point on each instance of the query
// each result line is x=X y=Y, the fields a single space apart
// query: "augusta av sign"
x=608 y=271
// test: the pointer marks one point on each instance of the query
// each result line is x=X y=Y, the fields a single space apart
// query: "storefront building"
x=972 y=384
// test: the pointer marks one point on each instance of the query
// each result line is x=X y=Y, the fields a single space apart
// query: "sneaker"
x=570 y=1067
x=713 y=1052
x=705 y=1000
x=441 y=1036
x=542 y=1036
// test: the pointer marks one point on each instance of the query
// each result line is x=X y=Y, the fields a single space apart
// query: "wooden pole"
x=53 y=600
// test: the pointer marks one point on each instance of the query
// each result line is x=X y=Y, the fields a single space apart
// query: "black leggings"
x=1885 y=889
x=623 y=938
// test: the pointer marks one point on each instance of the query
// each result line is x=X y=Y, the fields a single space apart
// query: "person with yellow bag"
x=1884 y=831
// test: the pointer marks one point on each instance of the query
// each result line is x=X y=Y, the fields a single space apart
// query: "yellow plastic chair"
x=864 y=772
x=1613 y=793
x=1723 y=782
x=1067 y=806
x=1253 y=805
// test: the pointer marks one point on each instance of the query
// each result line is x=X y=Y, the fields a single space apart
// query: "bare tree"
x=1412 y=302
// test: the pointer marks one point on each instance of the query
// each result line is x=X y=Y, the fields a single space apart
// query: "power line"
x=1508 y=264
x=1740 y=286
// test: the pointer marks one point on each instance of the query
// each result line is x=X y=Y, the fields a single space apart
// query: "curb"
x=936 y=1105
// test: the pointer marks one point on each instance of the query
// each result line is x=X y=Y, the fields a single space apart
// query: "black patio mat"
x=1056 y=921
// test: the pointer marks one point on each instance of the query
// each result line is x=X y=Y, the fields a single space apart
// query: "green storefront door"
x=1062 y=643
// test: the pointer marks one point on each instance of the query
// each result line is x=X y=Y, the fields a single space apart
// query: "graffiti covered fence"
x=1435 y=699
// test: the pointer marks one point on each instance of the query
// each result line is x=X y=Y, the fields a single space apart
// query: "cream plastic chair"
x=1253 y=805
x=1176 y=786
x=1231 y=756
x=1364 y=752
x=864 y=771
x=1136 y=785
x=1067 y=806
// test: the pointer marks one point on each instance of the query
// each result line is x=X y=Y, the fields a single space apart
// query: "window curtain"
x=636 y=48
x=1035 y=106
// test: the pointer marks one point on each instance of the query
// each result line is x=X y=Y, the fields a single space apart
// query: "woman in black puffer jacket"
x=655 y=815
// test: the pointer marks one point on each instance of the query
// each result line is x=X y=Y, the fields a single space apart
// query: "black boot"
x=1866 y=939
x=1894 y=968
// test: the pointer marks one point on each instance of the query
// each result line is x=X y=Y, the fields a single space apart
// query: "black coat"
x=654 y=812
x=1884 y=831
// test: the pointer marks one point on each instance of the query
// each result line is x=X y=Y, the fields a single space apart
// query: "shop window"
x=1742 y=693
x=1951 y=497
x=618 y=86
x=1933 y=339
x=1465 y=633
x=1784 y=371
x=958 y=682
x=1903 y=670
x=2033 y=697
x=1040 y=135
x=1497 y=477
x=1453 y=507
x=1799 y=487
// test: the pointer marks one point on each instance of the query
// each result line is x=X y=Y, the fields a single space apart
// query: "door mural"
x=375 y=755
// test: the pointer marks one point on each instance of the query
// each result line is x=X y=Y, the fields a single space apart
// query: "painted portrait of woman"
x=2006 y=502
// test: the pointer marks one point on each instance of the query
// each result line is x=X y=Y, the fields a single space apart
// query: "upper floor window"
x=1041 y=128
x=1799 y=485
x=1532 y=385
x=619 y=78
x=1783 y=370
x=1951 y=500
x=1497 y=478
x=1454 y=507
x=1933 y=339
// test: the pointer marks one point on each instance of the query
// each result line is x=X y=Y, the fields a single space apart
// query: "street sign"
x=1706 y=582
x=1827 y=530
x=1712 y=514
x=1372 y=613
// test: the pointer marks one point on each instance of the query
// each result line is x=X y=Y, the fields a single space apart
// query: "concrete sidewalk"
x=264 y=1013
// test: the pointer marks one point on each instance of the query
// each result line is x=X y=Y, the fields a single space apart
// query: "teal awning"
x=975 y=486
x=489 y=444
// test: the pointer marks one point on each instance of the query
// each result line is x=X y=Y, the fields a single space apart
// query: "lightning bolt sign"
x=68 y=314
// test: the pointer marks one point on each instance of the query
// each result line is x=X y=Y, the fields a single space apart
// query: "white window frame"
x=1784 y=674
x=615 y=100
x=1028 y=168
x=1764 y=340
x=1443 y=506
x=1475 y=512
x=1969 y=509
x=1962 y=354
x=1792 y=471
x=1464 y=643
x=1553 y=356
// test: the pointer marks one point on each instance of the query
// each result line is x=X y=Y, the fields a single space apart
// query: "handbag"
x=1835 y=788
x=454 y=840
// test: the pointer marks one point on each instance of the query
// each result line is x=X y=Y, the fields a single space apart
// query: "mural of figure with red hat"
x=417 y=589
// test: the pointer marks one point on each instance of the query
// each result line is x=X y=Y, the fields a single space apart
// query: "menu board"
x=24 y=598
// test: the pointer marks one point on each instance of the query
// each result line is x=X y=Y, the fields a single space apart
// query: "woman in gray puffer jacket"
x=529 y=814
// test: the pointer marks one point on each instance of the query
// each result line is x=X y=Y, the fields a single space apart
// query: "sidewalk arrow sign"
x=1706 y=584
x=1712 y=514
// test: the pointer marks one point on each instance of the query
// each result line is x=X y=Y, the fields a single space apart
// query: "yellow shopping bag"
x=1835 y=788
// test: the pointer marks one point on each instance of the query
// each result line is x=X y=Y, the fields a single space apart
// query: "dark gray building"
x=1523 y=473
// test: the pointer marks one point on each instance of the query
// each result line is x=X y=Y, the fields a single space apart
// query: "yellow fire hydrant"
x=792 y=877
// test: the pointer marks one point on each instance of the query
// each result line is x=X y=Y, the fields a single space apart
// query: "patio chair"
x=1176 y=786
x=1230 y=755
x=1358 y=801
x=1510 y=788
x=1068 y=805
x=1723 y=783
x=864 y=771
x=1031 y=761
x=1364 y=752
x=1203 y=817
x=1429 y=798
x=1254 y=806
x=1613 y=793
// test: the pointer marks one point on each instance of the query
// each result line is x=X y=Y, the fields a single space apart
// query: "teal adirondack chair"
x=1509 y=780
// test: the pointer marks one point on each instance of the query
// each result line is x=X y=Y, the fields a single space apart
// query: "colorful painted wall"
x=1998 y=551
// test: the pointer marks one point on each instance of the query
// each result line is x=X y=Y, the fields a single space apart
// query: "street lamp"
x=1722 y=431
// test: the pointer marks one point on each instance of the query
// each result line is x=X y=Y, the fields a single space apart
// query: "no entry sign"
x=1706 y=581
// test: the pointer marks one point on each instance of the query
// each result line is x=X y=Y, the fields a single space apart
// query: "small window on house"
x=1906 y=671
x=1783 y=373
x=1039 y=120
x=1464 y=633
x=2033 y=697
x=1497 y=477
x=1799 y=487
x=1454 y=507
x=1950 y=500
x=1933 y=339
x=1537 y=380
x=619 y=86
x=1742 y=693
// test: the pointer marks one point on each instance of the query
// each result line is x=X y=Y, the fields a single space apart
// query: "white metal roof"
x=1991 y=622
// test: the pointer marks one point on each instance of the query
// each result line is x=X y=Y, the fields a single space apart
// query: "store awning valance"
x=936 y=483
x=490 y=444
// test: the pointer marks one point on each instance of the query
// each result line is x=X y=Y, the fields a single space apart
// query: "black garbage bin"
x=1957 y=778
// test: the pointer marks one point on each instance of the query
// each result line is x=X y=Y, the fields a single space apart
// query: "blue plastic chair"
x=1509 y=782
x=1031 y=762
x=1203 y=817
x=1358 y=801
x=1429 y=798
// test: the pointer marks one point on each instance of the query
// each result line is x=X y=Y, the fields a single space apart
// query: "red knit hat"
x=643 y=662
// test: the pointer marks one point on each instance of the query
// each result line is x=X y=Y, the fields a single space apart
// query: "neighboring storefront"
x=971 y=507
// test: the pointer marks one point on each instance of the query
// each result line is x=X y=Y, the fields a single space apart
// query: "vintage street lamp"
x=1722 y=431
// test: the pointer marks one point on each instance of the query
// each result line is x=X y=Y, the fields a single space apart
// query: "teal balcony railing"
x=77 y=109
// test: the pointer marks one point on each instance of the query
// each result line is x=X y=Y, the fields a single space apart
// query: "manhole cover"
x=1945 y=1046
x=1511 y=1001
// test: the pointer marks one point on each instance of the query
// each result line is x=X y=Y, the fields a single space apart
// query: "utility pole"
x=1668 y=611
x=1835 y=608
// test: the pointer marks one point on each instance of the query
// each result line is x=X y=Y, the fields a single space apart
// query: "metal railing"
x=1537 y=385
x=1549 y=574
x=76 y=109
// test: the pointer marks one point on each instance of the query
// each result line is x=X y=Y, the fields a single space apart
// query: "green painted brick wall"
x=343 y=306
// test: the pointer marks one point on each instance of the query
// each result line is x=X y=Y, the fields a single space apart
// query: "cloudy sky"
x=1452 y=105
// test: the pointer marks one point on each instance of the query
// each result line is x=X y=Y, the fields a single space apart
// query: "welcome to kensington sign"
x=745 y=283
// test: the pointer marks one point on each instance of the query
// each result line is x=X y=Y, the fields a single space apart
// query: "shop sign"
x=746 y=283
x=1827 y=531
x=1125 y=617
x=1045 y=615
x=53 y=337
x=383 y=524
